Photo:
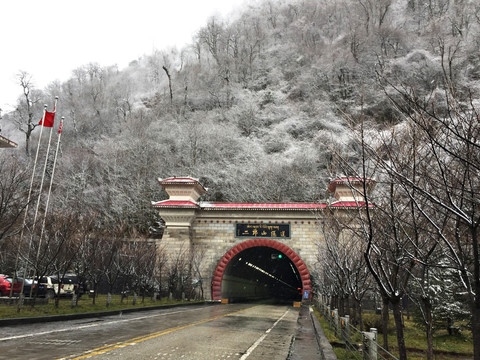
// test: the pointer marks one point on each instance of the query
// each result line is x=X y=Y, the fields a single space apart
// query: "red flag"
x=60 y=127
x=48 y=120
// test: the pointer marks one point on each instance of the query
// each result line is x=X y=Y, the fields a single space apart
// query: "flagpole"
x=29 y=198
x=48 y=197
x=33 y=172
x=53 y=170
x=44 y=168
x=40 y=188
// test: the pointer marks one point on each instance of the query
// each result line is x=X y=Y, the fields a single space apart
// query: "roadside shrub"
x=371 y=320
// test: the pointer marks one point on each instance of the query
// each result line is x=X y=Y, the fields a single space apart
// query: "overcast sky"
x=50 y=38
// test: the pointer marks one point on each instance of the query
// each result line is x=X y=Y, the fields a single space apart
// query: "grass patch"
x=85 y=305
x=329 y=333
x=340 y=352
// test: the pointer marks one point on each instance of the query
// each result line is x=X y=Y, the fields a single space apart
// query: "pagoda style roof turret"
x=350 y=190
x=183 y=189
x=184 y=193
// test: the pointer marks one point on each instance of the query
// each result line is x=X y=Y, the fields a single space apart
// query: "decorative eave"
x=184 y=180
x=209 y=206
x=174 y=204
x=6 y=143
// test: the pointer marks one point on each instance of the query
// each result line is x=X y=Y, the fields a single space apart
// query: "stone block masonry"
x=217 y=231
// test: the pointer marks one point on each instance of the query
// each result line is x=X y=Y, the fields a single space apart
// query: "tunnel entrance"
x=260 y=269
x=261 y=273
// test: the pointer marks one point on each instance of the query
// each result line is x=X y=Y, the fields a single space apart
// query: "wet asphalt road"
x=233 y=331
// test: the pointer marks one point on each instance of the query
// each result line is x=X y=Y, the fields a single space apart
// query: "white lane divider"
x=261 y=338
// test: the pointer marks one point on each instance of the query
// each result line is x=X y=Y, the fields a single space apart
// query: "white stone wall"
x=213 y=234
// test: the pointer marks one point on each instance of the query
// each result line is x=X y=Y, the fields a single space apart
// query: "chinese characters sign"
x=263 y=230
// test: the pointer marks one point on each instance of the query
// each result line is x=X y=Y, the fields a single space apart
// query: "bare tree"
x=53 y=249
x=198 y=255
x=25 y=111
x=92 y=253
x=387 y=254
x=142 y=257
x=345 y=250
x=386 y=229
x=13 y=187
x=179 y=273
x=429 y=165
x=329 y=286
x=92 y=256
x=450 y=182
x=112 y=250
x=161 y=261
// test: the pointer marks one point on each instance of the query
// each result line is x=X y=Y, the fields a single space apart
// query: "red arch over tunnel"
x=292 y=255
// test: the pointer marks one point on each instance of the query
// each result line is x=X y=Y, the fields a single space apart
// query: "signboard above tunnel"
x=263 y=230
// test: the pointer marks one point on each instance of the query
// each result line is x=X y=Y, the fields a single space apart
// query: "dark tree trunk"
x=95 y=285
x=354 y=313
x=397 y=315
x=428 y=326
x=476 y=299
x=169 y=83
x=341 y=306
x=385 y=317
x=360 y=318
x=476 y=325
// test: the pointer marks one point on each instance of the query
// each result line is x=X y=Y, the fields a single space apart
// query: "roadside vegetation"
x=84 y=305
x=447 y=347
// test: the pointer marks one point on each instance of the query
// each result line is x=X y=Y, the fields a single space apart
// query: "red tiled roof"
x=347 y=180
x=261 y=206
x=174 y=203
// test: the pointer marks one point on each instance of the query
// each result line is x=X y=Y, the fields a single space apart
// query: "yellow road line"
x=118 y=345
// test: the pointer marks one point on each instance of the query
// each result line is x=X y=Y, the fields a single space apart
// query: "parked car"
x=51 y=286
x=6 y=285
x=37 y=289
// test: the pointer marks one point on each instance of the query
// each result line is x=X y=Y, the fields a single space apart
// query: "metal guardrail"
x=362 y=345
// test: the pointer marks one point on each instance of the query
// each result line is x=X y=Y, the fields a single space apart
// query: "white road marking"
x=89 y=326
x=261 y=338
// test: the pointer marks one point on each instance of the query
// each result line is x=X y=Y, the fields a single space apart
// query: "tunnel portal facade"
x=248 y=251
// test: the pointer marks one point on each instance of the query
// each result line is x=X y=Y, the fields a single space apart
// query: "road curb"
x=325 y=347
x=51 y=318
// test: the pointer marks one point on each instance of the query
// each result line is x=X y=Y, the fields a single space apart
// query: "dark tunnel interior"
x=261 y=273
